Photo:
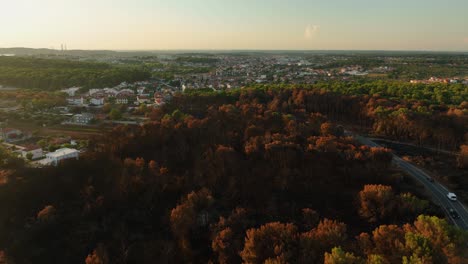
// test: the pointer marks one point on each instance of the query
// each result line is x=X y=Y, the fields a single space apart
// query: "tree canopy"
x=257 y=175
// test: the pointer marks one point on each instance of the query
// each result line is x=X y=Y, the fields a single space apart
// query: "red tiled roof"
x=31 y=147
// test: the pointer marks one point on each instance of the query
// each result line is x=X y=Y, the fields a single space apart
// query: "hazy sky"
x=236 y=24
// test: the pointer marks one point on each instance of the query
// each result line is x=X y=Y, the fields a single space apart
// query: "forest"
x=54 y=74
x=34 y=100
x=400 y=111
x=262 y=175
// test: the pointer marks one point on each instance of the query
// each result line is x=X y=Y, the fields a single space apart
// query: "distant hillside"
x=53 y=74
x=35 y=52
x=74 y=53
x=20 y=51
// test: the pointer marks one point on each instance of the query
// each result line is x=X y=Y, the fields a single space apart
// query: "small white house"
x=96 y=101
x=54 y=158
x=75 y=100
x=141 y=91
x=84 y=118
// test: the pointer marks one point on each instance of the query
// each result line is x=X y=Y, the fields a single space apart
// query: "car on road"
x=453 y=213
x=430 y=179
x=452 y=196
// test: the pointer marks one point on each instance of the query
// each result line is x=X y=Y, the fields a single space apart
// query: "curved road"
x=438 y=191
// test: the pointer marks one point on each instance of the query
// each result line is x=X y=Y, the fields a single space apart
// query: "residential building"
x=141 y=90
x=79 y=100
x=83 y=119
x=54 y=158
x=96 y=101
x=122 y=98
x=111 y=92
x=9 y=134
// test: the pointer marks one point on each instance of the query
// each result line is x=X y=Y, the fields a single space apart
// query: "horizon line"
x=251 y=50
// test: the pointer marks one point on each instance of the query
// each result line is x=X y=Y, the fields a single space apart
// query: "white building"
x=141 y=91
x=54 y=158
x=96 y=101
x=121 y=100
x=75 y=100
x=111 y=92
x=84 y=118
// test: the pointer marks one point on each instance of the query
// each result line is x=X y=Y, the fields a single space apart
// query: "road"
x=414 y=145
x=437 y=191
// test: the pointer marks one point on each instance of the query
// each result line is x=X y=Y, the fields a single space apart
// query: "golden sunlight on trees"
x=339 y=256
x=229 y=236
x=428 y=240
x=188 y=215
x=272 y=241
x=222 y=244
x=446 y=243
x=376 y=202
x=326 y=235
x=387 y=241
x=463 y=157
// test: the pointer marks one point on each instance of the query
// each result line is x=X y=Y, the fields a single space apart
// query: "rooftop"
x=62 y=152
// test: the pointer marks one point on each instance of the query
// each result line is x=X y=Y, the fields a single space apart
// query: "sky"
x=236 y=24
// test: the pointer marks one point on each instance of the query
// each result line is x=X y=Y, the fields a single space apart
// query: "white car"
x=452 y=196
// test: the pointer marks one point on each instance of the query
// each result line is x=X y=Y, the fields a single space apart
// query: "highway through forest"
x=437 y=191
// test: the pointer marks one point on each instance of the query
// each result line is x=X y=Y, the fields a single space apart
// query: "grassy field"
x=74 y=131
